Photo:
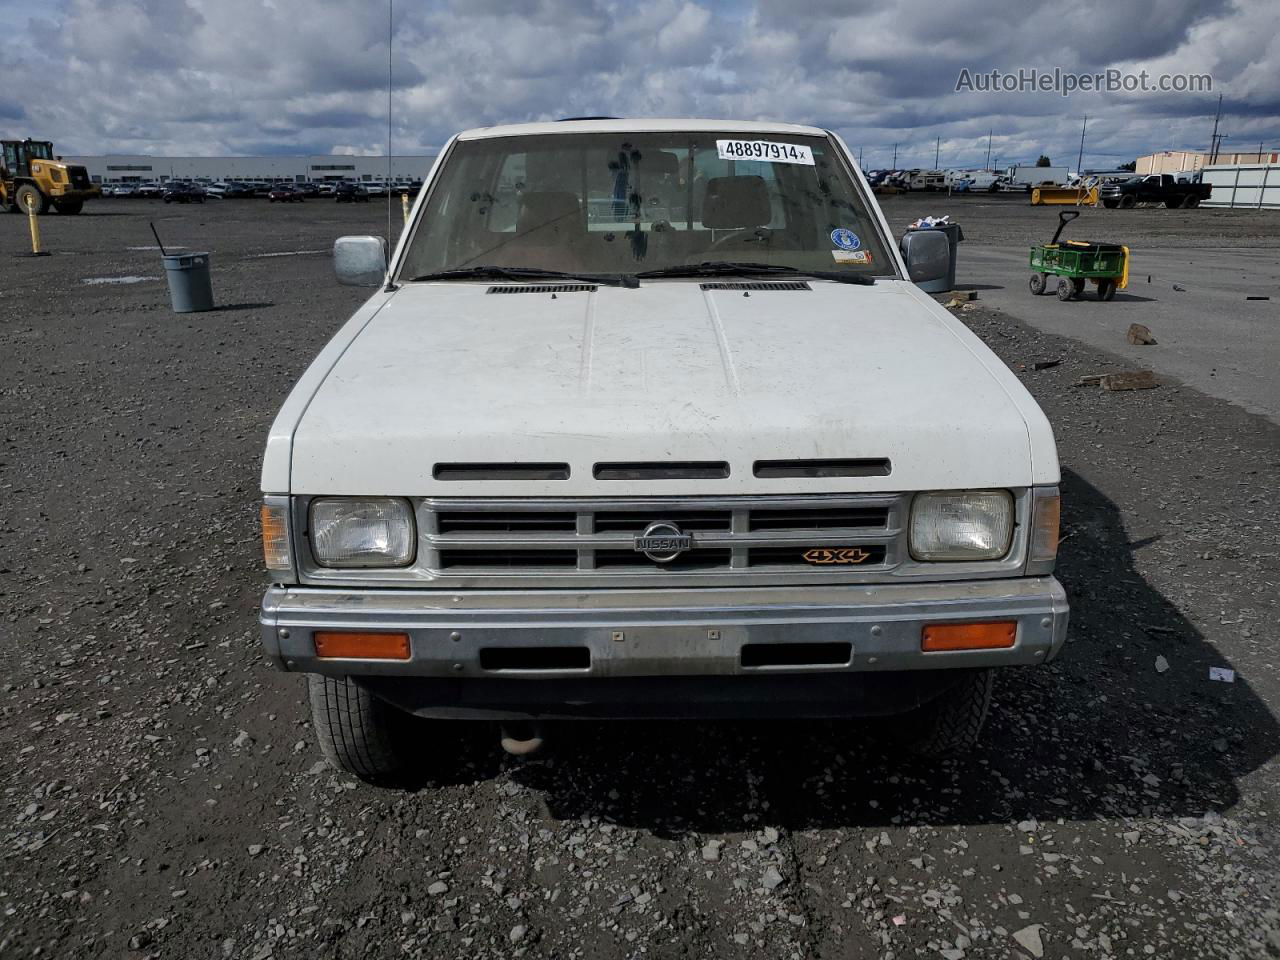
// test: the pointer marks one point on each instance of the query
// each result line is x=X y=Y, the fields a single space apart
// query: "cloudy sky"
x=286 y=76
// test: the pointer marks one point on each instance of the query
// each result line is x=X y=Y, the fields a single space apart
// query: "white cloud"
x=243 y=76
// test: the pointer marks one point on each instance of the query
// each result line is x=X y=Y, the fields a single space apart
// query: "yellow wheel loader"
x=31 y=176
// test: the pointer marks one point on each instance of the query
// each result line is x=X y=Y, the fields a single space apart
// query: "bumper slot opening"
x=796 y=654
x=535 y=658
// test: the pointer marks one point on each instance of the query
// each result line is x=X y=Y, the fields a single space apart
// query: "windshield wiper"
x=725 y=268
x=524 y=273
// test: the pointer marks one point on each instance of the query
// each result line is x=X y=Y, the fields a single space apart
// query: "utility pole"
x=1217 y=144
x=989 y=133
x=937 y=149
x=1213 y=148
x=895 y=156
x=1080 y=155
x=860 y=157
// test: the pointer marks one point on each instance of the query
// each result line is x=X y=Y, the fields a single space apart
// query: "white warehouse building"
x=138 y=169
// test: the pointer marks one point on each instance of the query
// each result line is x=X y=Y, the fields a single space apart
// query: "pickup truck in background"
x=1156 y=188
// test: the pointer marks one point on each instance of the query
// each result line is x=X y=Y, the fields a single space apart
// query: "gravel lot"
x=163 y=796
x=1192 y=274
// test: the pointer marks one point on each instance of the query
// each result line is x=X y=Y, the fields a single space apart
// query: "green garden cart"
x=1077 y=262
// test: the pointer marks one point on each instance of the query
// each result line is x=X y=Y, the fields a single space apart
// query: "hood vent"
x=756 y=285
x=501 y=471
x=818 y=469
x=703 y=470
x=545 y=288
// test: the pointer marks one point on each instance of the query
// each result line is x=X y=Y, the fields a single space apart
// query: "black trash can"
x=954 y=236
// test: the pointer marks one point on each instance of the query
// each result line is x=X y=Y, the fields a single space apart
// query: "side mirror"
x=928 y=255
x=360 y=261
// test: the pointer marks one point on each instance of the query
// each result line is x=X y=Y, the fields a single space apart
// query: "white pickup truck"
x=648 y=419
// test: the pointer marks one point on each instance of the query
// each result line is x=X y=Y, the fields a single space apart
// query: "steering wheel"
x=760 y=233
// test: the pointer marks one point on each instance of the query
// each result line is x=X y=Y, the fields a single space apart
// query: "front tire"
x=1107 y=289
x=1066 y=289
x=1128 y=202
x=358 y=733
x=1109 y=204
x=951 y=724
x=29 y=196
x=1037 y=283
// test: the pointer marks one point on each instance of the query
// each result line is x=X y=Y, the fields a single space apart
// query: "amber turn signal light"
x=358 y=645
x=275 y=537
x=937 y=637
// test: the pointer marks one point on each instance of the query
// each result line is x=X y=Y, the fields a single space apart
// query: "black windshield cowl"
x=721 y=268
x=525 y=273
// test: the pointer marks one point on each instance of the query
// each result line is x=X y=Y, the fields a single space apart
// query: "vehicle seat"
x=658 y=183
x=550 y=232
x=736 y=204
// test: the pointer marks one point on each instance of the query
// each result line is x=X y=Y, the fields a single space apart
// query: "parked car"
x=349 y=192
x=118 y=190
x=374 y=188
x=180 y=191
x=1161 y=188
x=864 y=522
x=261 y=189
x=148 y=190
x=307 y=189
x=284 y=193
x=326 y=188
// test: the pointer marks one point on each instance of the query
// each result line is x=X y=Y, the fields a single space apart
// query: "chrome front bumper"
x=664 y=633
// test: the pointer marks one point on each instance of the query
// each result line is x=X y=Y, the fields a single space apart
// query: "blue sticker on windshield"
x=845 y=239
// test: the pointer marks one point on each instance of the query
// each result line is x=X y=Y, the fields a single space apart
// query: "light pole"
x=1080 y=156
x=1213 y=140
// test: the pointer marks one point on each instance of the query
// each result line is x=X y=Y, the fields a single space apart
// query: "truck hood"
x=448 y=373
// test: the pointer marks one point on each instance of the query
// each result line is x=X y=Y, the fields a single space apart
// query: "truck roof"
x=639 y=125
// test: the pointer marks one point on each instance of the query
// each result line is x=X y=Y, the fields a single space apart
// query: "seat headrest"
x=548 y=209
x=660 y=163
x=736 y=203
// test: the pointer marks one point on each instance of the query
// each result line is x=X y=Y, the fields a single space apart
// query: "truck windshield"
x=635 y=202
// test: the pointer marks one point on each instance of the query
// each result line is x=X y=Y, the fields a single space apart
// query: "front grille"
x=817 y=538
x=79 y=177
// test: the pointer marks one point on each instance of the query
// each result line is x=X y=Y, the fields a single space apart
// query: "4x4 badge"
x=825 y=555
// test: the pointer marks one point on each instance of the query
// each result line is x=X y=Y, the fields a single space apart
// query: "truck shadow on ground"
x=1101 y=732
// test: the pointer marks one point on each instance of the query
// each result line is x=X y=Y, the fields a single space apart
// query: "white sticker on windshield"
x=769 y=151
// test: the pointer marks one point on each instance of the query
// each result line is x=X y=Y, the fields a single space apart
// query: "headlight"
x=961 y=525
x=364 y=532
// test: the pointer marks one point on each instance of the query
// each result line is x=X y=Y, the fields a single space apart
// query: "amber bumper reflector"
x=968 y=636
x=356 y=645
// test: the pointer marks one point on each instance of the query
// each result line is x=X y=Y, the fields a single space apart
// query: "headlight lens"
x=366 y=532
x=961 y=525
